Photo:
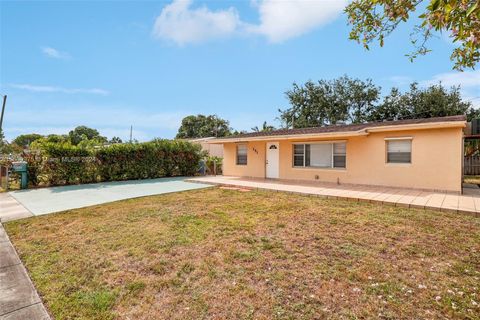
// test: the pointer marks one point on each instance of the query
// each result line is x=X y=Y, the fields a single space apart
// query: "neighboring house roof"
x=200 y=139
x=349 y=129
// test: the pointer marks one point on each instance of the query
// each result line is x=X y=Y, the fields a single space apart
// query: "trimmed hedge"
x=62 y=164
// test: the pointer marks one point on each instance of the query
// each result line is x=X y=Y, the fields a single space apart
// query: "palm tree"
x=265 y=128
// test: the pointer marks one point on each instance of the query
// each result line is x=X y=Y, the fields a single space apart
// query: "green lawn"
x=225 y=254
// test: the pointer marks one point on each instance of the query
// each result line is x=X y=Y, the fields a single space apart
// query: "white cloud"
x=469 y=82
x=112 y=120
x=54 y=53
x=466 y=79
x=36 y=88
x=108 y=120
x=278 y=20
x=282 y=20
x=401 y=81
x=179 y=23
x=98 y=116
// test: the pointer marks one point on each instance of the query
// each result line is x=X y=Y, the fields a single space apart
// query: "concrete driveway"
x=48 y=200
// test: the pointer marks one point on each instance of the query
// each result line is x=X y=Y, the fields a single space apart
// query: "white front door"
x=273 y=154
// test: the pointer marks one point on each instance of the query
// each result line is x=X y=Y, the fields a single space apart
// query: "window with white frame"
x=320 y=155
x=339 y=155
x=399 y=151
x=242 y=151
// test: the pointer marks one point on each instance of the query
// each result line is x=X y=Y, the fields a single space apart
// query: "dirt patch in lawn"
x=225 y=254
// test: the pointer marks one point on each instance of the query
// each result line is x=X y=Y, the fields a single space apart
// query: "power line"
x=471 y=99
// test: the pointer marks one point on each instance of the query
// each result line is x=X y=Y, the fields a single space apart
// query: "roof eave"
x=420 y=126
x=346 y=134
x=292 y=137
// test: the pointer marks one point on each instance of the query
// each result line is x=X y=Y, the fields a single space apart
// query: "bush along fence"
x=62 y=164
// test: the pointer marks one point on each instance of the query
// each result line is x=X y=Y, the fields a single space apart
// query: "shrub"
x=34 y=163
x=214 y=165
x=62 y=163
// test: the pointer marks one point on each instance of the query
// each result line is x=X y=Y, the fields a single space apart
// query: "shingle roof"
x=346 y=127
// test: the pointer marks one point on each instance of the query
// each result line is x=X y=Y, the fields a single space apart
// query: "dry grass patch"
x=471 y=179
x=224 y=254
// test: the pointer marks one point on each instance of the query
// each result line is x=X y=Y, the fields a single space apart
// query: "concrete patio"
x=468 y=203
x=33 y=202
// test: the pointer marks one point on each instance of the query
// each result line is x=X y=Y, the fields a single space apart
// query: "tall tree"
x=81 y=133
x=24 y=140
x=433 y=101
x=373 y=20
x=356 y=101
x=392 y=107
x=4 y=147
x=115 y=140
x=265 y=128
x=55 y=138
x=201 y=126
x=329 y=102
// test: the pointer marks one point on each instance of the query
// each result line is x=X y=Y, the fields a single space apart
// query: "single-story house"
x=418 y=153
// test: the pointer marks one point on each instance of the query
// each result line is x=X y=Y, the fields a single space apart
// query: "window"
x=299 y=155
x=320 y=155
x=339 y=155
x=399 y=151
x=242 y=151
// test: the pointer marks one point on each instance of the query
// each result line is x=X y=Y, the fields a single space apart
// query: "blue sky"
x=112 y=64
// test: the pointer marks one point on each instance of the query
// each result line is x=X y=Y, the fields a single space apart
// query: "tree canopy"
x=81 y=133
x=265 y=128
x=4 y=146
x=373 y=20
x=82 y=137
x=201 y=126
x=329 y=102
x=433 y=101
x=115 y=139
x=24 y=140
x=347 y=100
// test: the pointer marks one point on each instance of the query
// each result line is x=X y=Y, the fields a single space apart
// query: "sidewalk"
x=468 y=203
x=11 y=209
x=18 y=297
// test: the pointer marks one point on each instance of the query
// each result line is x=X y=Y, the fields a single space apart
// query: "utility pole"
x=131 y=129
x=3 y=111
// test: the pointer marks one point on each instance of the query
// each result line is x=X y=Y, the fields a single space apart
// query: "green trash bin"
x=20 y=167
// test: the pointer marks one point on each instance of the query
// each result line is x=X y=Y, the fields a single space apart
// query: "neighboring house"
x=419 y=153
x=214 y=150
